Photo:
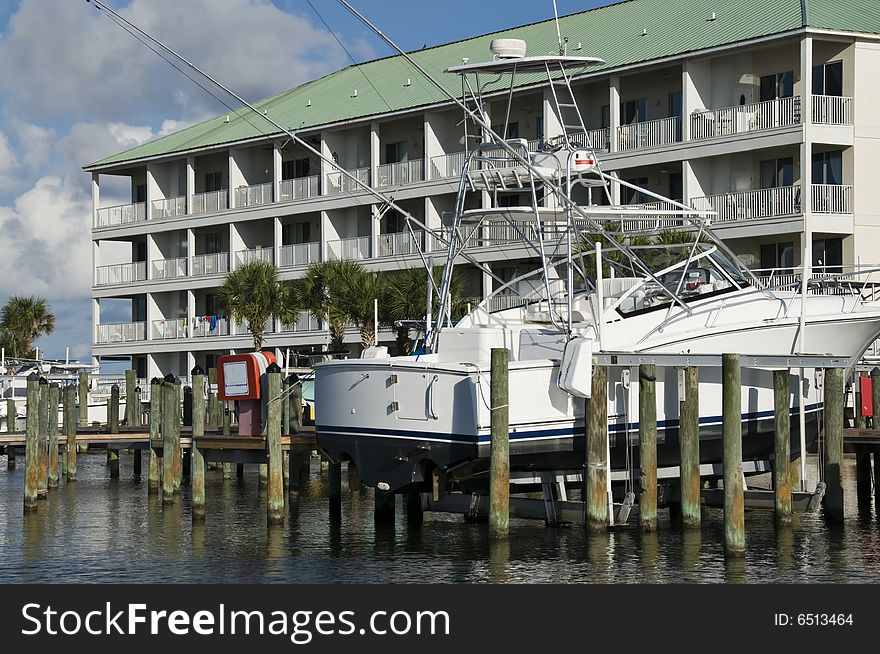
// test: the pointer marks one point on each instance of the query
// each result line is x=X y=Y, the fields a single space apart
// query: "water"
x=102 y=530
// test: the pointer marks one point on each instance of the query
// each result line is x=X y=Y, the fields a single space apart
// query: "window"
x=213 y=243
x=777 y=256
x=777 y=172
x=828 y=79
x=605 y=118
x=634 y=111
x=779 y=85
x=828 y=254
x=827 y=168
x=295 y=168
x=394 y=222
x=512 y=130
x=140 y=193
x=395 y=152
x=210 y=304
x=296 y=233
x=676 y=187
x=674 y=103
x=213 y=182
x=631 y=196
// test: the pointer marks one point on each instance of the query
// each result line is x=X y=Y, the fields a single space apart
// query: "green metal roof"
x=613 y=32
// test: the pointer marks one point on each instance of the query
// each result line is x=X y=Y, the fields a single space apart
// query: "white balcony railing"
x=832 y=110
x=748 y=205
x=649 y=134
x=781 y=112
x=403 y=172
x=832 y=198
x=123 y=332
x=253 y=196
x=400 y=243
x=206 y=326
x=300 y=254
x=168 y=268
x=167 y=329
x=256 y=254
x=121 y=273
x=169 y=207
x=305 y=322
x=122 y=214
x=594 y=139
x=299 y=188
x=349 y=248
x=339 y=183
x=447 y=165
x=210 y=201
x=210 y=264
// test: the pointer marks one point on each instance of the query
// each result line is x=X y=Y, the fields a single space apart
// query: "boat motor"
x=242 y=377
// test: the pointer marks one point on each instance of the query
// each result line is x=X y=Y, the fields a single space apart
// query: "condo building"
x=764 y=111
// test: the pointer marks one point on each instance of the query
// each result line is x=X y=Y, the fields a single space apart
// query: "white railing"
x=299 y=188
x=243 y=328
x=339 y=183
x=781 y=112
x=300 y=254
x=210 y=264
x=122 y=332
x=169 y=207
x=256 y=254
x=349 y=248
x=168 y=268
x=594 y=139
x=122 y=214
x=747 y=205
x=403 y=172
x=253 y=196
x=646 y=221
x=649 y=134
x=498 y=302
x=305 y=322
x=399 y=243
x=832 y=198
x=210 y=201
x=166 y=329
x=447 y=165
x=205 y=326
x=121 y=273
x=832 y=110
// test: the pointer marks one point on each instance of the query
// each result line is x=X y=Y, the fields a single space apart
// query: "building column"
x=328 y=233
x=375 y=153
x=325 y=167
x=615 y=188
x=375 y=228
x=807 y=80
x=277 y=241
x=153 y=191
x=432 y=145
x=691 y=185
x=190 y=183
x=190 y=364
x=96 y=261
x=153 y=369
x=190 y=315
x=152 y=314
x=152 y=254
x=236 y=179
x=613 y=112
x=96 y=318
x=96 y=197
x=190 y=250
x=276 y=171
x=487 y=281
x=552 y=122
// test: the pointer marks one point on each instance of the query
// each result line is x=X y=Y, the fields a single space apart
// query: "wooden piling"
x=43 y=426
x=596 y=477
x=53 y=436
x=782 y=446
x=414 y=513
x=275 y=494
x=227 y=473
x=177 y=451
x=833 y=500
x=10 y=427
x=83 y=399
x=648 y=447
x=859 y=421
x=132 y=404
x=334 y=490
x=875 y=398
x=262 y=474
x=285 y=406
x=226 y=417
x=153 y=474
x=239 y=471
x=137 y=463
x=354 y=479
x=170 y=422
x=384 y=507
x=198 y=459
x=731 y=434
x=689 y=446
x=113 y=416
x=32 y=444
x=499 y=450
x=70 y=431
x=296 y=404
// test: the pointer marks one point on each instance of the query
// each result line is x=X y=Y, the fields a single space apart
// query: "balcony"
x=399 y=244
x=168 y=268
x=339 y=183
x=205 y=327
x=122 y=214
x=741 y=119
x=169 y=207
x=832 y=110
x=210 y=264
x=447 y=165
x=124 y=332
x=256 y=254
x=403 y=172
x=300 y=254
x=832 y=198
x=253 y=196
x=594 y=139
x=210 y=201
x=352 y=249
x=121 y=273
x=649 y=134
x=306 y=322
x=168 y=329
x=299 y=188
x=750 y=205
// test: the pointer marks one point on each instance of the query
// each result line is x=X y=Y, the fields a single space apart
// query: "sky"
x=74 y=88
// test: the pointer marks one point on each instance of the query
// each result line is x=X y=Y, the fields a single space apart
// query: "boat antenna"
x=558 y=32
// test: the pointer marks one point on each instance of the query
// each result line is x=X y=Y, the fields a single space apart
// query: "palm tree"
x=356 y=290
x=317 y=291
x=26 y=318
x=253 y=292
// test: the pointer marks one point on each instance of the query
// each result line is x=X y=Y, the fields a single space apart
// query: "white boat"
x=608 y=279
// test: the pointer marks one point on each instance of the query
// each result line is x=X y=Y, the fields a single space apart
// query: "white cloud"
x=8 y=163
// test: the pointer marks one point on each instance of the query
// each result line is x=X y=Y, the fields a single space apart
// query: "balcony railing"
x=122 y=214
x=748 y=205
x=299 y=188
x=169 y=207
x=781 y=112
x=256 y=254
x=339 y=183
x=206 y=326
x=210 y=201
x=167 y=329
x=832 y=198
x=447 y=165
x=168 y=268
x=121 y=273
x=403 y=172
x=253 y=196
x=349 y=248
x=300 y=254
x=594 y=139
x=832 y=110
x=210 y=264
x=400 y=243
x=305 y=322
x=649 y=134
x=124 y=332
